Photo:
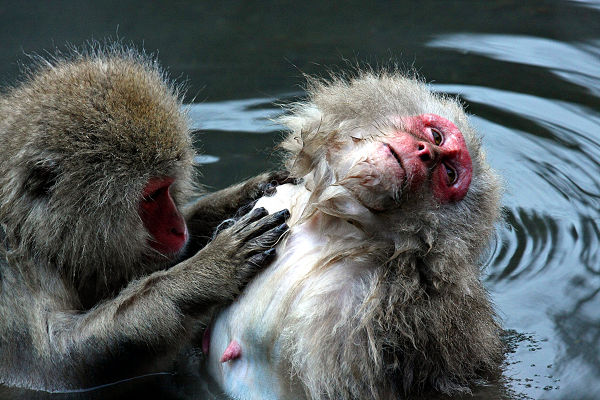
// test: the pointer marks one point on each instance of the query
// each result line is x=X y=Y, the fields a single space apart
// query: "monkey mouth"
x=396 y=156
x=399 y=161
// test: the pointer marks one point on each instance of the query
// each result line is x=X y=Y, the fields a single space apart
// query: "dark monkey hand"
x=245 y=246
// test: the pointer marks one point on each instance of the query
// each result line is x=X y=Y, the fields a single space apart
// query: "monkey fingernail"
x=282 y=228
x=285 y=214
x=258 y=213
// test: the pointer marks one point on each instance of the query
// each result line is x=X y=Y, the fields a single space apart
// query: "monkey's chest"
x=251 y=340
x=250 y=330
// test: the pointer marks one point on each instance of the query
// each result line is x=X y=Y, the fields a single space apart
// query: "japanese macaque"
x=375 y=293
x=96 y=161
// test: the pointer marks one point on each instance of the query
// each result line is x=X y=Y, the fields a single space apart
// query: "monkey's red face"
x=426 y=150
x=432 y=148
x=161 y=217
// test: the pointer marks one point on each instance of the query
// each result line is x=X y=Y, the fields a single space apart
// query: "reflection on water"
x=574 y=62
x=248 y=115
x=530 y=74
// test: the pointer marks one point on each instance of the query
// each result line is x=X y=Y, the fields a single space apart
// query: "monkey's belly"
x=255 y=372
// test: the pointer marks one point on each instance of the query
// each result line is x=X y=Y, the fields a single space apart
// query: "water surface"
x=529 y=72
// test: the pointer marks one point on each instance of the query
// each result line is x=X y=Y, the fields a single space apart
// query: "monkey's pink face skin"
x=432 y=146
x=428 y=150
x=161 y=218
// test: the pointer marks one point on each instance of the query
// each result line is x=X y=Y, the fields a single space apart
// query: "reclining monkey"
x=375 y=292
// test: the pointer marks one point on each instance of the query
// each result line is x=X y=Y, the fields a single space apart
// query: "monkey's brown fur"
x=388 y=305
x=80 y=300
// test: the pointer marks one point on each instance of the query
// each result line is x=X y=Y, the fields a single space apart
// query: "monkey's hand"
x=266 y=183
x=238 y=251
x=150 y=316
x=249 y=241
x=205 y=214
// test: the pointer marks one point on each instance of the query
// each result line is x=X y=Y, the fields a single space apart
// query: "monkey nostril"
x=424 y=152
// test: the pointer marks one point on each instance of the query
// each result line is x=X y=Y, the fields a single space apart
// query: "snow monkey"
x=375 y=292
x=96 y=163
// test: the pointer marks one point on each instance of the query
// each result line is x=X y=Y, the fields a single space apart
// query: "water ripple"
x=577 y=63
x=247 y=115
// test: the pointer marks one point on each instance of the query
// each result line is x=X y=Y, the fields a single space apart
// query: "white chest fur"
x=294 y=291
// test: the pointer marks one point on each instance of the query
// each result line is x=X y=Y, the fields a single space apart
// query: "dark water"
x=529 y=72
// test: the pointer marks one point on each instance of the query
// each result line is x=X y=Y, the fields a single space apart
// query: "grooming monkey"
x=96 y=162
x=376 y=292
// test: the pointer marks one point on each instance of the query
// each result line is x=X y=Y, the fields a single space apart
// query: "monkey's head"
x=400 y=162
x=96 y=159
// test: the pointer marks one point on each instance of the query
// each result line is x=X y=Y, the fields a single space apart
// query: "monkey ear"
x=41 y=178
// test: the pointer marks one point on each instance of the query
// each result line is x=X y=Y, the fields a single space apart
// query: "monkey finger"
x=294 y=181
x=278 y=178
x=274 y=179
x=245 y=209
x=267 y=189
x=266 y=240
x=250 y=217
x=265 y=224
x=260 y=260
x=270 y=189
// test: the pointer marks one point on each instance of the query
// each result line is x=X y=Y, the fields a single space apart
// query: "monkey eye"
x=42 y=178
x=451 y=173
x=149 y=198
x=438 y=138
x=356 y=137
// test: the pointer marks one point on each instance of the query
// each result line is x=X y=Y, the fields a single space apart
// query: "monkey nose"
x=426 y=153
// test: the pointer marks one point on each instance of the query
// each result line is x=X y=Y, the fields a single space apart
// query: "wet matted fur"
x=364 y=303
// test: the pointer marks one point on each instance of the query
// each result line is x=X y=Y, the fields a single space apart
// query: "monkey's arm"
x=146 y=323
x=205 y=214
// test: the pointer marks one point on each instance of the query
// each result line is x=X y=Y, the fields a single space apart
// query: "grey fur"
x=425 y=321
x=83 y=299
x=366 y=302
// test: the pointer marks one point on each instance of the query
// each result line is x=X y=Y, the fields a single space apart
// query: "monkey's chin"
x=172 y=245
x=167 y=254
x=378 y=191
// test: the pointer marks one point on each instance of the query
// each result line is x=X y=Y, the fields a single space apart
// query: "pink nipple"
x=232 y=352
